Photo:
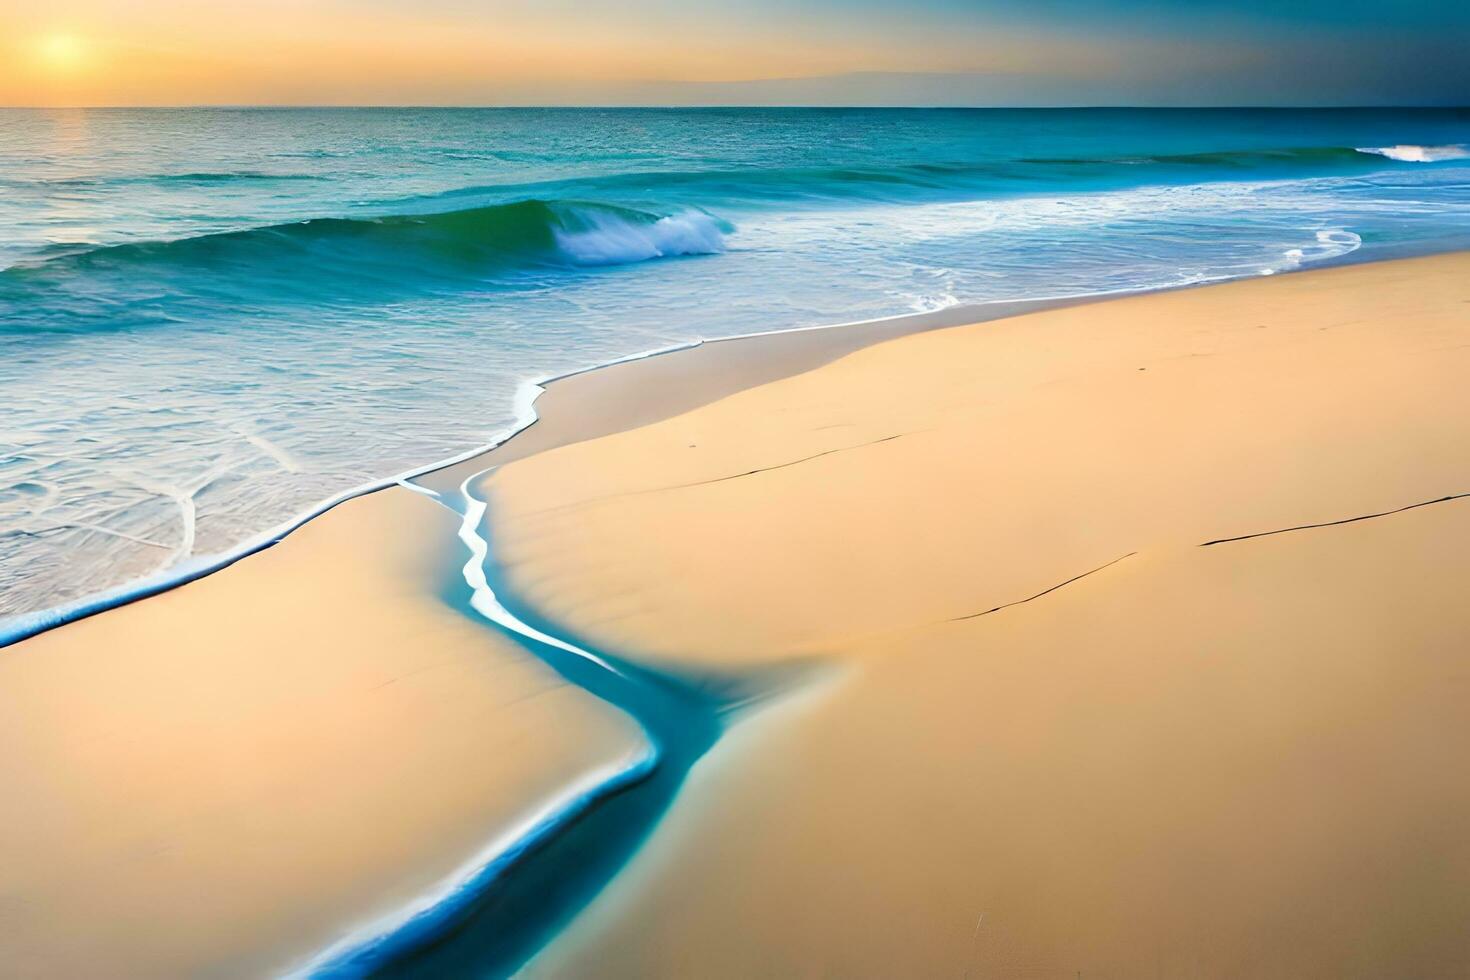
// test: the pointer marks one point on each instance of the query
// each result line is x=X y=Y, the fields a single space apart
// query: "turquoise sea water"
x=211 y=320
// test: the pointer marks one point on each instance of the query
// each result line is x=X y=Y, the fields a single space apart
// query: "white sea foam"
x=1332 y=243
x=513 y=841
x=610 y=239
x=1413 y=153
x=554 y=813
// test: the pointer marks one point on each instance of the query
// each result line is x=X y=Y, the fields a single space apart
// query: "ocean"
x=212 y=320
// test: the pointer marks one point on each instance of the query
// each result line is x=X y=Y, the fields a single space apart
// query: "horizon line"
x=469 y=106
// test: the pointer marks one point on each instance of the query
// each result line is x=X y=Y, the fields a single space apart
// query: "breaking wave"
x=1413 y=153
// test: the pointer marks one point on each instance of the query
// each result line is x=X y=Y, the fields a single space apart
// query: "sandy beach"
x=1138 y=631
x=1064 y=738
x=229 y=777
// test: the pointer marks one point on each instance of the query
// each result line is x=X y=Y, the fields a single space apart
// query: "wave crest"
x=473 y=240
x=609 y=238
x=1413 y=153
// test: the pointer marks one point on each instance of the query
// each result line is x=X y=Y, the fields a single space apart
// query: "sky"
x=639 y=52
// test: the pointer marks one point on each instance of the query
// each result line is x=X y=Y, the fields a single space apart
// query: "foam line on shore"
x=395 y=941
x=365 y=947
x=27 y=625
x=482 y=598
x=357 y=952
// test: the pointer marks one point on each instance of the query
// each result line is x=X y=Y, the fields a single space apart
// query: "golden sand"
x=228 y=777
x=1235 y=760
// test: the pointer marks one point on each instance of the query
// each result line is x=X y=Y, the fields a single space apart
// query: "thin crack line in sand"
x=732 y=476
x=779 y=466
x=1345 y=520
x=1059 y=585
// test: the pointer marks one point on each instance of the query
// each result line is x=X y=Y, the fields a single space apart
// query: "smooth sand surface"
x=1234 y=760
x=224 y=779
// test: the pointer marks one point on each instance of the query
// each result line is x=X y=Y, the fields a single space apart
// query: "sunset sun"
x=62 y=52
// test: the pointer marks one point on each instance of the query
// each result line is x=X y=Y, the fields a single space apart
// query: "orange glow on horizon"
x=178 y=52
x=354 y=52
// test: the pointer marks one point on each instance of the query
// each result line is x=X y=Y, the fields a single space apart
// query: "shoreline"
x=590 y=442
x=513 y=442
x=24 y=626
